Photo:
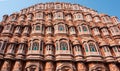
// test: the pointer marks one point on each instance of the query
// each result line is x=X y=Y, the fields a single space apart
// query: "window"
x=56 y=46
x=79 y=28
x=115 y=49
x=72 y=29
x=35 y=46
x=39 y=15
x=106 y=49
x=49 y=47
x=84 y=28
x=89 y=18
x=104 y=19
x=41 y=45
x=17 y=30
x=61 y=28
x=13 y=18
x=22 y=17
x=7 y=27
x=105 y=31
x=63 y=46
x=78 y=48
x=58 y=15
x=49 y=30
x=69 y=17
x=11 y=47
x=116 y=29
x=0 y=45
x=86 y=47
x=37 y=27
x=20 y=47
x=96 y=29
x=58 y=6
x=49 y=16
x=92 y=47
x=116 y=20
x=97 y=19
x=30 y=17
x=78 y=16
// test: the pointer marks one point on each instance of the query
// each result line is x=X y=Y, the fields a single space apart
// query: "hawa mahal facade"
x=59 y=36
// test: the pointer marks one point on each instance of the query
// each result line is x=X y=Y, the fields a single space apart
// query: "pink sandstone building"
x=59 y=36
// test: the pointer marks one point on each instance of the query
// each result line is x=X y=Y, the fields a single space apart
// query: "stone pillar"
x=113 y=67
x=18 y=66
x=81 y=66
x=49 y=66
x=6 y=66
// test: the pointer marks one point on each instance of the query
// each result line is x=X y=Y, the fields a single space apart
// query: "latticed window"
x=86 y=47
x=49 y=47
x=37 y=27
x=78 y=48
x=20 y=47
x=115 y=49
x=78 y=17
x=106 y=49
x=35 y=46
x=63 y=46
x=61 y=28
x=92 y=47
x=84 y=28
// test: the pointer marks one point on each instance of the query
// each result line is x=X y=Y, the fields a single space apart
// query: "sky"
x=110 y=7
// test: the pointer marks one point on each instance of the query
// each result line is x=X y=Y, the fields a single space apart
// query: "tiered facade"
x=59 y=37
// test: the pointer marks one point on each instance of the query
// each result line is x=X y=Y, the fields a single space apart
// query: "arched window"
x=63 y=46
x=86 y=47
x=35 y=46
x=61 y=28
x=92 y=47
x=37 y=27
x=84 y=28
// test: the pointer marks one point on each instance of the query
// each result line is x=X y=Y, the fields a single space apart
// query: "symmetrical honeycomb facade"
x=59 y=37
